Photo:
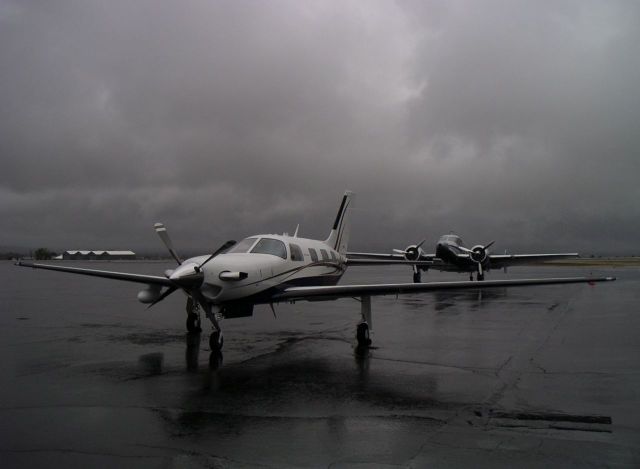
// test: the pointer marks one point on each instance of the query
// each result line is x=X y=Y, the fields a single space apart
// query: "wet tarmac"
x=521 y=377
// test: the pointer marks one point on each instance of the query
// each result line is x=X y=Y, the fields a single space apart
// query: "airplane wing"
x=128 y=277
x=429 y=261
x=505 y=260
x=352 y=256
x=350 y=291
x=382 y=261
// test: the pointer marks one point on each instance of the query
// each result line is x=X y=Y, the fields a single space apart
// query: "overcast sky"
x=517 y=121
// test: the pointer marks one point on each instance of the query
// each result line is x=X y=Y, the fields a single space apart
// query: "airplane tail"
x=339 y=235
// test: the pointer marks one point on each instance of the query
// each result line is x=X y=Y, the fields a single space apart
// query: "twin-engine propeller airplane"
x=452 y=256
x=268 y=269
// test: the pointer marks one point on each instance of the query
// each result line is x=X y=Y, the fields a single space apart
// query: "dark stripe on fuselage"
x=266 y=296
x=338 y=268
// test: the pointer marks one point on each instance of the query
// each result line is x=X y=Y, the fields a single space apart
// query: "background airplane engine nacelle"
x=149 y=294
x=412 y=253
x=479 y=254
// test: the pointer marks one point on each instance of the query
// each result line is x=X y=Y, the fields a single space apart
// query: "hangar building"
x=98 y=255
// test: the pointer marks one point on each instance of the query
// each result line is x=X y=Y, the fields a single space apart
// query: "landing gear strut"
x=417 y=277
x=193 y=318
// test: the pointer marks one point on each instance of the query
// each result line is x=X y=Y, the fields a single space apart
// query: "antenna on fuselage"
x=295 y=234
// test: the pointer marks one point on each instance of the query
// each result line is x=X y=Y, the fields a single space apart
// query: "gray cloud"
x=515 y=121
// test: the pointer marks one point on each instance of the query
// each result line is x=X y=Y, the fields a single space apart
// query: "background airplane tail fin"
x=339 y=235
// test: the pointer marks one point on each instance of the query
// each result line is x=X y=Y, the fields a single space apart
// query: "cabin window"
x=296 y=252
x=333 y=255
x=243 y=246
x=313 y=254
x=275 y=247
x=323 y=253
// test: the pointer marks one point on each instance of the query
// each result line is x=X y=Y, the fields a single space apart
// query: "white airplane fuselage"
x=256 y=275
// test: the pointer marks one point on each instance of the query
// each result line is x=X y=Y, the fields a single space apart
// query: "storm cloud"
x=510 y=120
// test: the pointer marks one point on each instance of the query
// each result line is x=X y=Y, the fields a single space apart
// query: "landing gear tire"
x=362 y=335
x=216 y=340
x=193 y=323
x=480 y=277
x=417 y=278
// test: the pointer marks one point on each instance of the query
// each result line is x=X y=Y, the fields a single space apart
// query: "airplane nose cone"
x=187 y=276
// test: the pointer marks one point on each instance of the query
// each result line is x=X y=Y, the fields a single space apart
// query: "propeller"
x=478 y=254
x=188 y=276
x=164 y=236
x=221 y=249
x=412 y=252
x=166 y=293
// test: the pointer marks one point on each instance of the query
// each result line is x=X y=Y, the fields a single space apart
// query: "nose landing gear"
x=216 y=340
x=193 y=316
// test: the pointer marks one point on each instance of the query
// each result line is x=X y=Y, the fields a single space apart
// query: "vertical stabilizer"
x=339 y=235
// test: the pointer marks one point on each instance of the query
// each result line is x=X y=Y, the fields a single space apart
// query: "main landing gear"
x=417 y=277
x=479 y=276
x=362 y=331
x=362 y=335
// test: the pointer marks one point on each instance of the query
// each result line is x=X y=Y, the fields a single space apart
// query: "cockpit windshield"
x=243 y=246
x=274 y=247
x=454 y=239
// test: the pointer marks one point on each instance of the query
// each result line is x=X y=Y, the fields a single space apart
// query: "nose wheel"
x=216 y=340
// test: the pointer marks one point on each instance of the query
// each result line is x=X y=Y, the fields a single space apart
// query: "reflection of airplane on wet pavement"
x=452 y=255
x=268 y=269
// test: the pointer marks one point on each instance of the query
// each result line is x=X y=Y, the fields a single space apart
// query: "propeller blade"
x=489 y=245
x=399 y=251
x=467 y=250
x=164 y=236
x=167 y=292
x=222 y=248
x=420 y=243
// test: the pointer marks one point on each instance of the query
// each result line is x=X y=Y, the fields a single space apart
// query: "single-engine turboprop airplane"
x=451 y=255
x=268 y=269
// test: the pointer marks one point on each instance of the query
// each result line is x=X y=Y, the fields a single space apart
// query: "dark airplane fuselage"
x=448 y=249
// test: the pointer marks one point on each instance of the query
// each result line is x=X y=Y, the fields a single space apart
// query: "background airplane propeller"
x=412 y=252
x=478 y=254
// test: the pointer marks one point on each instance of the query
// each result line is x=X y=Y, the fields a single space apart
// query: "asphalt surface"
x=521 y=377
